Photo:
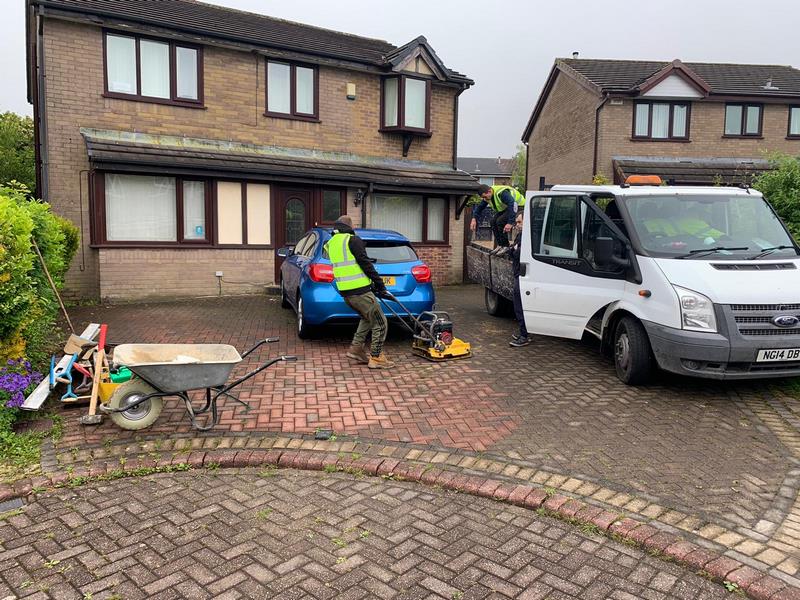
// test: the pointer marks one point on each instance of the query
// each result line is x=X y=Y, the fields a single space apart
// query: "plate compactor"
x=433 y=333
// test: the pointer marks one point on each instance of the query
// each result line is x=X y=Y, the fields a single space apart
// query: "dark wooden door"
x=293 y=219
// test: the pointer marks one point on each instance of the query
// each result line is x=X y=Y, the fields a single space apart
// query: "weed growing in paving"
x=270 y=471
x=263 y=514
x=339 y=542
x=11 y=513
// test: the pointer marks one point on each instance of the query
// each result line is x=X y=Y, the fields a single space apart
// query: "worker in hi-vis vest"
x=502 y=199
x=355 y=279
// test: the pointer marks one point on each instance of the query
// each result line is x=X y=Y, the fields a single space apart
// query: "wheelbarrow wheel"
x=138 y=417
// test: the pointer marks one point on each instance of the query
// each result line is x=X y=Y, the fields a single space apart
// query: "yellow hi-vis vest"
x=497 y=204
x=346 y=272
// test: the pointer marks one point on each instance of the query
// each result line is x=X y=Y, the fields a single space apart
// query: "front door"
x=561 y=286
x=293 y=219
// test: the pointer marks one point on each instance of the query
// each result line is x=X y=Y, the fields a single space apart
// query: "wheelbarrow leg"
x=212 y=402
x=222 y=392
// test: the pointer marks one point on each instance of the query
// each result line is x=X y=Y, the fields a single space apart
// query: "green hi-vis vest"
x=497 y=204
x=346 y=272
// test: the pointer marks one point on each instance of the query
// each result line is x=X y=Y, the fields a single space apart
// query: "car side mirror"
x=604 y=253
x=285 y=252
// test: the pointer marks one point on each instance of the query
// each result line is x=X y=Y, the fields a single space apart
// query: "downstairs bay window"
x=163 y=211
x=421 y=219
x=151 y=209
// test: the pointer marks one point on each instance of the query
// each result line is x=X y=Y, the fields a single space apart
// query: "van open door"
x=574 y=261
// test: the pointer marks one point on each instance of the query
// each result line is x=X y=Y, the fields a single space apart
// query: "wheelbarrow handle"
x=269 y=340
x=289 y=358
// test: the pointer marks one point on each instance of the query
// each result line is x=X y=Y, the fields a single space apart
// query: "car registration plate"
x=388 y=280
x=778 y=355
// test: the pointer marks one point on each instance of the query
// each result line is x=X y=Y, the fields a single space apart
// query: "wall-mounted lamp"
x=351 y=91
x=359 y=197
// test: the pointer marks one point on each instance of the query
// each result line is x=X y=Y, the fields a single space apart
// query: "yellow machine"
x=433 y=334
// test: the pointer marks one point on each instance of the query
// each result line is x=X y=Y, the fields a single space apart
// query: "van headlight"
x=697 y=311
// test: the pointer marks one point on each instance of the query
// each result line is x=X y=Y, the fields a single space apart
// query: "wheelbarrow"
x=162 y=370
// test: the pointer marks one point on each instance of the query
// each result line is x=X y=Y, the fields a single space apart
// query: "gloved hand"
x=383 y=293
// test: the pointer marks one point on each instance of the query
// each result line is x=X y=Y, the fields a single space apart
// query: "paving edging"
x=656 y=541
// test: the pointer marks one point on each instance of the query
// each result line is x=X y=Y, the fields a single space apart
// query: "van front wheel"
x=633 y=358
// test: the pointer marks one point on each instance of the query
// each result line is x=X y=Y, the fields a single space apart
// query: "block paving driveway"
x=289 y=534
x=720 y=461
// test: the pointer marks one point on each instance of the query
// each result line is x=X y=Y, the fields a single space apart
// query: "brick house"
x=489 y=171
x=186 y=139
x=691 y=123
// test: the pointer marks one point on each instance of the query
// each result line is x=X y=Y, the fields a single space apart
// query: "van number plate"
x=777 y=355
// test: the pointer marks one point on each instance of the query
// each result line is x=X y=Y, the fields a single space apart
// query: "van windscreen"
x=709 y=226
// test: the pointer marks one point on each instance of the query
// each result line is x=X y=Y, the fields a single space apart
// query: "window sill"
x=165 y=101
x=660 y=140
x=793 y=137
x=430 y=244
x=185 y=246
x=407 y=130
x=743 y=137
x=292 y=117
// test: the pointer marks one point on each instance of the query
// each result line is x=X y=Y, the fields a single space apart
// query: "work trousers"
x=372 y=321
x=500 y=220
x=518 y=313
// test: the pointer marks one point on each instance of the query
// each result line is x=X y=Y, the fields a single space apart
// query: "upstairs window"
x=794 y=121
x=742 y=120
x=153 y=70
x=405 y=104
x=661 y=121
x=292 y=91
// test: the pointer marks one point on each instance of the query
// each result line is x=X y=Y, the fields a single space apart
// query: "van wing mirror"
x=285 y=252
x=603 y=250
x=604 y=253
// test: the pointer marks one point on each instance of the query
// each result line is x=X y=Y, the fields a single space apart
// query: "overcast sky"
x=508 y=46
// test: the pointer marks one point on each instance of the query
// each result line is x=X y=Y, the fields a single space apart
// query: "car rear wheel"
x=304 y=330
x=633 y=358
x=496 y=305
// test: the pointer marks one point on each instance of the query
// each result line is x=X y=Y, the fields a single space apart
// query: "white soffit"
x=673 y=86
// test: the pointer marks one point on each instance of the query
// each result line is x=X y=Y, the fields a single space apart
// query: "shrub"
x=781 y=186
x=27 y=304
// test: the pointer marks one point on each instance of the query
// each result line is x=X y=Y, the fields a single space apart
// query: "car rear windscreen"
x=390 y=252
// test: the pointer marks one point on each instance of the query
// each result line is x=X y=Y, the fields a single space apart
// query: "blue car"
x=307 y=277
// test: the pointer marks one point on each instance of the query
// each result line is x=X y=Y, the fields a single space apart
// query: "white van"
x=701 y=281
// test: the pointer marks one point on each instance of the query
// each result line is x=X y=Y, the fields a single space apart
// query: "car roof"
x=374 y=235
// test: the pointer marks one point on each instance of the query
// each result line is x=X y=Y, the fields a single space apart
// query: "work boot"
x=379 y=362
x=358 y=354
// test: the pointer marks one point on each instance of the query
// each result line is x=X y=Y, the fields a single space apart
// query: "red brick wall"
x=561 y=145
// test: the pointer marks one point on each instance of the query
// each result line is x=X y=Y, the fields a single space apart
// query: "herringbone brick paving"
x=694 y=445
x=289 y=534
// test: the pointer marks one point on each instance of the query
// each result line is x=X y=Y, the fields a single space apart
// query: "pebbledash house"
x=187 y=139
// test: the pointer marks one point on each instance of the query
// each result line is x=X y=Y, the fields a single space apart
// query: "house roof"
x=129 y=151
x=480 y=167
x=201 y=18
x=633 y=77
x=722 y=78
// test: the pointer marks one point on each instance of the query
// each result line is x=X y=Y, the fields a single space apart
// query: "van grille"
x=755 y=320
x=764 y=307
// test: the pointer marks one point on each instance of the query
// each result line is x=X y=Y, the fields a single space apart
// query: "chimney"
x=575 y=54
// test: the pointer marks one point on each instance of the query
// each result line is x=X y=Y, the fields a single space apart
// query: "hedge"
x=28 y=306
